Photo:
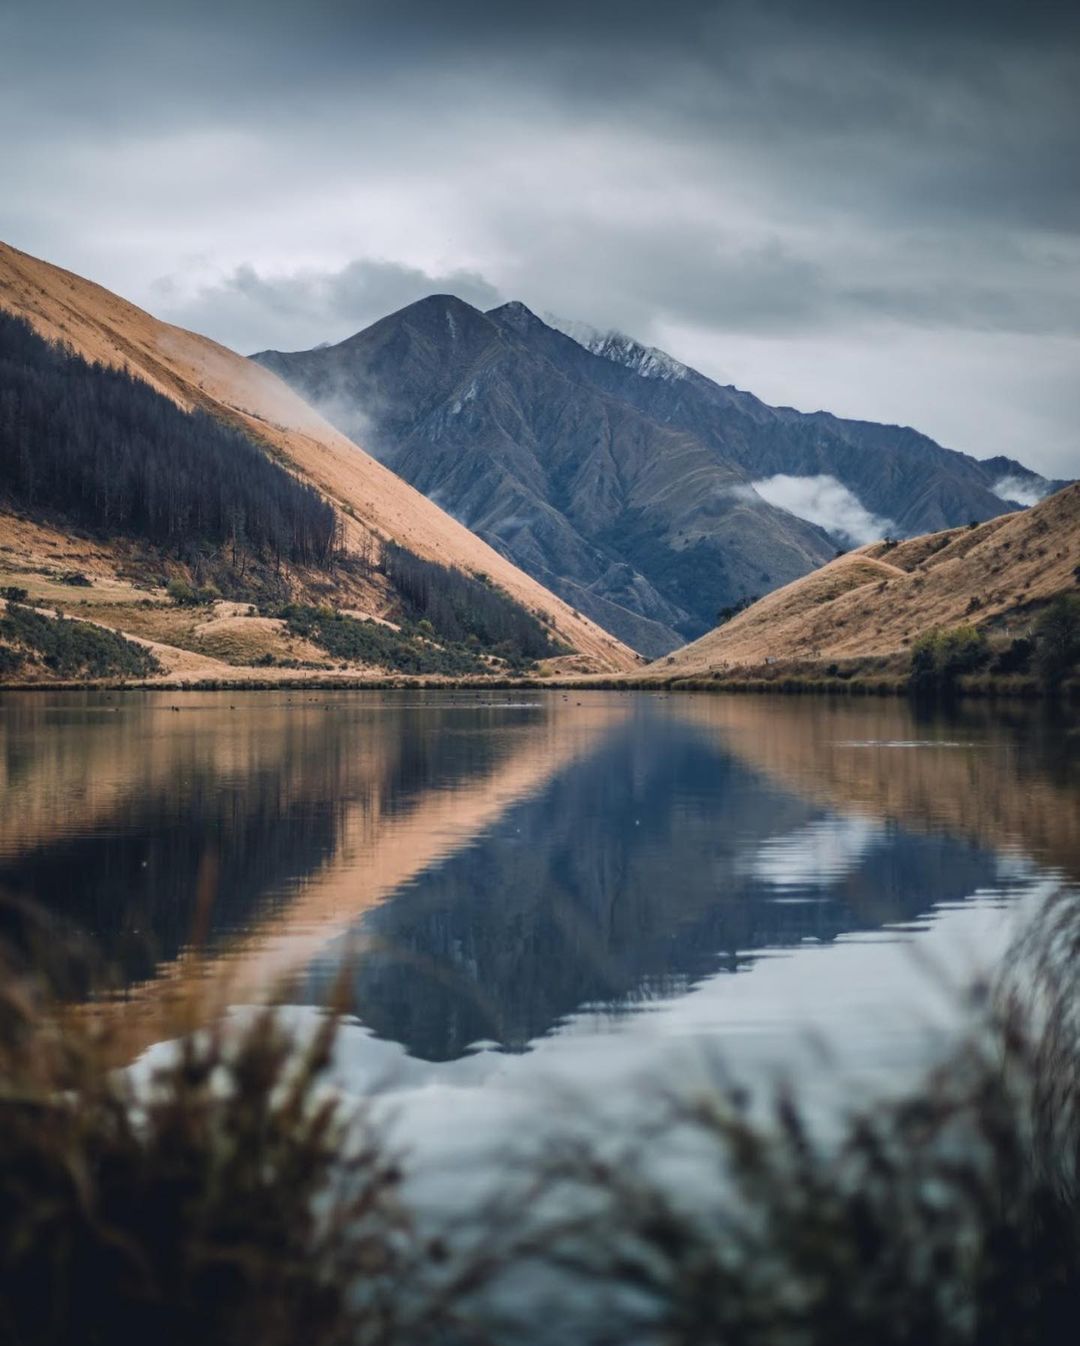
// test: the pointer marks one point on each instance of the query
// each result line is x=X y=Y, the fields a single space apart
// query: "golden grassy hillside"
x=197 y=372
x=877 y=600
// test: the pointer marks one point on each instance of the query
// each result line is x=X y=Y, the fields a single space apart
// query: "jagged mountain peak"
x=616 y=346
x=441 y=303
x=437 y=315
x=514 y=314
x=442 y=310
x=649 y=361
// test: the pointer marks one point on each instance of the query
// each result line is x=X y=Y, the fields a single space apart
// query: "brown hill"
x=198 y=373
x=879 y=599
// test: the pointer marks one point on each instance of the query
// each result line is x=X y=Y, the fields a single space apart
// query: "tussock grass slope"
x=879 y=599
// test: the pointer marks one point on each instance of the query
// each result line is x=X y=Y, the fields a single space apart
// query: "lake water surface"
x=543 y=891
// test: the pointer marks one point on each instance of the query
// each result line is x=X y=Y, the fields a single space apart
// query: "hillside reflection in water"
x=489 y=866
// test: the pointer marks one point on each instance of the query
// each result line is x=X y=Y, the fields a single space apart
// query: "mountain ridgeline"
x=630 y=485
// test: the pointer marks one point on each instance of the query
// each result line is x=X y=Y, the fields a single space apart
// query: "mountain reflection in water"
x=656 y=862
x=487 y=866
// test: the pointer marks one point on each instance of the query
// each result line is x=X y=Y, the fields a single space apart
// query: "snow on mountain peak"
x=648 y=361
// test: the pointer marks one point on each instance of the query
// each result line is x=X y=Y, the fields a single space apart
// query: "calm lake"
x=544 y=891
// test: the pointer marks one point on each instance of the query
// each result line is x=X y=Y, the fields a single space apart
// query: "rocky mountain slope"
x=374 y=505
x=903 y=479
x=638 y=524
x=879 y=599
x=645 y=494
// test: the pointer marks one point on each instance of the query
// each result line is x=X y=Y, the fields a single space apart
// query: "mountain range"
x=646 y=495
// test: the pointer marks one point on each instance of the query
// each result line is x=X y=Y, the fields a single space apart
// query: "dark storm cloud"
x=782 y=172
x=297 y=311
x=944 y=108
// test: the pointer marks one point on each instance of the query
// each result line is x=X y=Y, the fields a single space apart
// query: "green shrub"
x=1057 y=636
x=938 y=658
x=367 y=642
x=10 y=661
x=14 y=594
x=75 y=649
x=181 y=592
x=1016 y=658
x=963 y=650
x=733 y=609
x=183 y=595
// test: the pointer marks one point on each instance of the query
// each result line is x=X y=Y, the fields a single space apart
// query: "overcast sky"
x=868 y=207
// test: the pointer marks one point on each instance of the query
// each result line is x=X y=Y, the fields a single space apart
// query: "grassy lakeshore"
x=944 y=662
x=777 y=680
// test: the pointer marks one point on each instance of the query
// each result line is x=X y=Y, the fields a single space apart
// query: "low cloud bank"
x=1021 y=490
x=828 y=503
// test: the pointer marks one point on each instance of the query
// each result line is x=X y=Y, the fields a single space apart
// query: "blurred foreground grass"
x=231 y=1196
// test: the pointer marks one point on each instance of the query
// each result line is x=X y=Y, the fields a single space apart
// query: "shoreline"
x=976 y=688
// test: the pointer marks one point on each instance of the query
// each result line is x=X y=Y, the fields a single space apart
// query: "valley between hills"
x=613 y=494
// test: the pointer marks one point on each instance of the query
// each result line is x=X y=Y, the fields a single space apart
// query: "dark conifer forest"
x=104 y=449
x=460 y=606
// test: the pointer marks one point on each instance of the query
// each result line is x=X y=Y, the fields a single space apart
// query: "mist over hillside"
x=646 y=495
